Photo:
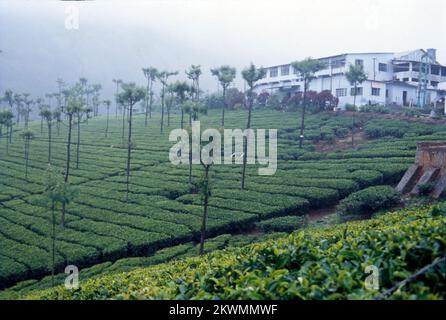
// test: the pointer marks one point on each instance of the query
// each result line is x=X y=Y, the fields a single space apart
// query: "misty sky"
x=116 y=39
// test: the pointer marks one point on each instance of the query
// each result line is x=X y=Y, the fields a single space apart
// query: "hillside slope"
x=162 y=209
x=325 y=263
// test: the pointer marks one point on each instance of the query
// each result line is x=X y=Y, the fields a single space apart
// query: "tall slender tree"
x=56 y=192
x=28 y=102
x=306 y=69
x=225 y=75
x=118 y=83
x=11 y=99
x=27 y=136
x=79 y=118
x=48 y=117
x=39 y=103
x=355 y=76
x=181 y=88
x=193 y=74
x=8 y=121
x=151 y=75
x=107 y=104
x=163 y=78
x=251 y=75
x=96 y=90
x=57 y=115
x=131 y=94
x=170 y=102
x=73 y=103
x=19 y=102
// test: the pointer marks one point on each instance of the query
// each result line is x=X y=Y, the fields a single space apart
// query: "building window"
x=382 y=67
x=341 y=92
x=273 y=72
x=285 y=70
x=358 y=91
x=359 y=62
x=339 y=63
x=434 y=83
x=435 y=70
x=443 y=71
x=387 y=93
x=376 y=91
x=294 y=71
x=405 y=79
x=414 y=79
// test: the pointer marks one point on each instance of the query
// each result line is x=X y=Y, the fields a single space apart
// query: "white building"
x=392 y=78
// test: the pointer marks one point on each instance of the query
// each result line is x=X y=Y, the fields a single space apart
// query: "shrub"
x=377 y=108
x=369 y=200
x=398 y=243
x=350 y=107
x=410 y=112
x=425 y=188
x=341 y=132
x=281 y=224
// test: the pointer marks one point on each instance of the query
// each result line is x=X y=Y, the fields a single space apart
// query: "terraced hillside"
x=162 y=210
x=408 y=248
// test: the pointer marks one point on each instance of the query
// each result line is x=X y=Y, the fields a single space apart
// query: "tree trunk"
x=108 y=117
x=26 y=157
x=151 y=99
x=49 y=142
x=8 y=141
x=147 y=102
x=302 y=123
x=162 y=108
x=182 y=117
x=205 y=208
x=129 y=148
x=78 y=140
x=245 y=145
x=123 y=122
x=223 y=107
x=190 y=116
x=116 y=100
x=67 y=169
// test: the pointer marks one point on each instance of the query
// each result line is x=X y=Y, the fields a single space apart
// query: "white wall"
x=396 y=94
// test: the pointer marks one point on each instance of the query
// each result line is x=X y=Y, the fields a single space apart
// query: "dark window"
x=405 y=79
x=434 y=83
x=376 y=91
x=285 y=70
x=382 y=67
x=273 y=72
x=387 y=93
x=443 y=71
x=341 y=92
x=402 y=67
x=358 y=91
x=359 y=62
x=414 y=79
x=435 y=70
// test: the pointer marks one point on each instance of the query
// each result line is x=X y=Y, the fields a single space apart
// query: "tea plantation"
x=325 y=263
x=163 y=211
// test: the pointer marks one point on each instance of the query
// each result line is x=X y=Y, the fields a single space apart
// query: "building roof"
x=400 y=83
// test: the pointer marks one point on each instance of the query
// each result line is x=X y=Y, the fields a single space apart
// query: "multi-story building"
x=409 y=78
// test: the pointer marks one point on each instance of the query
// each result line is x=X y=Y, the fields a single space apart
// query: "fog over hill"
x=115 y=39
